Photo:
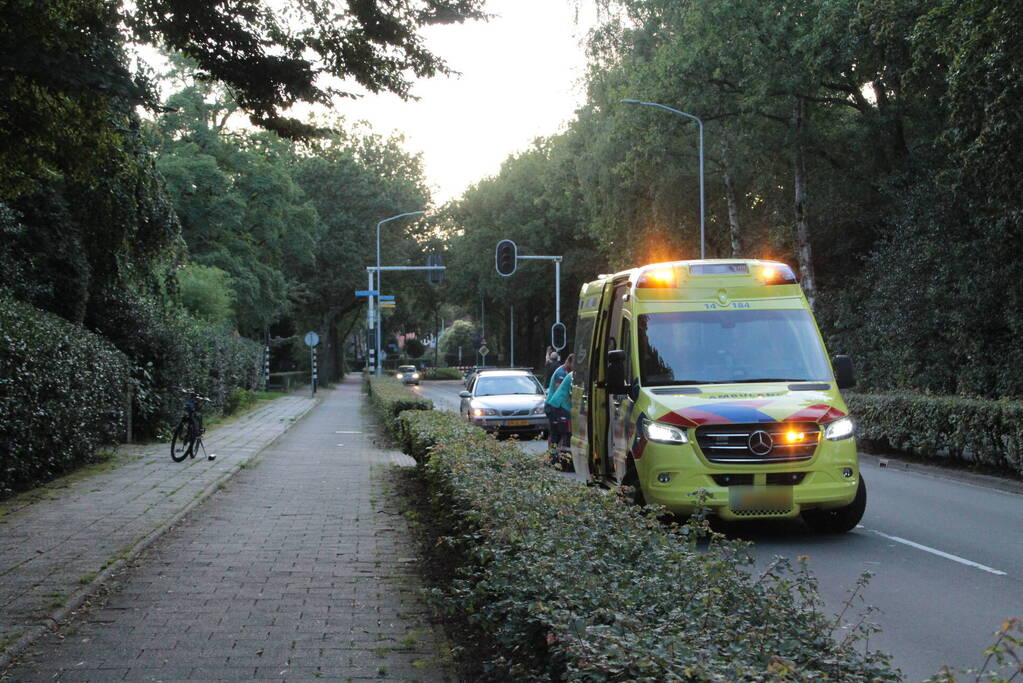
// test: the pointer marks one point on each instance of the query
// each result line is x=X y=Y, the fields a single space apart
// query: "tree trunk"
x=803 y=248
x=734 y=229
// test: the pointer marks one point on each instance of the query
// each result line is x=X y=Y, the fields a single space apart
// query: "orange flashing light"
x=794 y=437
x=659 y=277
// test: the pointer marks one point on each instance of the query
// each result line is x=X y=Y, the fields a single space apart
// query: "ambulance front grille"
x=756 y=444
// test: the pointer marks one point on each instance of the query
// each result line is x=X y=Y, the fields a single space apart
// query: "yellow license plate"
x=516 y=423
x=766 y=498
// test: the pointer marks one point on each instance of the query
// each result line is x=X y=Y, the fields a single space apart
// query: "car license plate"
x=766 y=498
x=516 y=423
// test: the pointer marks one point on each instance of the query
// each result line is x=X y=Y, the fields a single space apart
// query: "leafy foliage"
x=278 y=54
x=172 y=351
x=652 y=604
x=63 y=393
x=389 y=398
x=205 y=292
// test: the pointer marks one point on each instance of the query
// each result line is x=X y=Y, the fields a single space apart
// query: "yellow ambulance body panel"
x=707 y=383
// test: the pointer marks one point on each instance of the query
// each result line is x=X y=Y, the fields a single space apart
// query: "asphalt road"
x=945 y=549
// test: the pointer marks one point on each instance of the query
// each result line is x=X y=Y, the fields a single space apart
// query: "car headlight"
x=415 y=375
x=399 y=375
x=539 y=409
x=663 y=433
x=480 y=412
x=839 y=429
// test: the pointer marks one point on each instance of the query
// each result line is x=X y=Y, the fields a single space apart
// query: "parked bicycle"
x=187 y=438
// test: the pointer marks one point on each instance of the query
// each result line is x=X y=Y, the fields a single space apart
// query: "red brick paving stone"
x=47 y=547
x=297 y=570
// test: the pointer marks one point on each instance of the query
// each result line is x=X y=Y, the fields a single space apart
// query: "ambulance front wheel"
x=630 y=488
x=839 y=520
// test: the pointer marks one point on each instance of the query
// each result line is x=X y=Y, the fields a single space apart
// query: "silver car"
x=505 y=401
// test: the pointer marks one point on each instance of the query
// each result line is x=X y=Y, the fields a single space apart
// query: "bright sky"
x=521 y=78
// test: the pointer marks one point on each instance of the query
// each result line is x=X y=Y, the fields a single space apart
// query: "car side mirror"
x=615 y=378
x=464 y=394
x=634 y=390
x=845 y=378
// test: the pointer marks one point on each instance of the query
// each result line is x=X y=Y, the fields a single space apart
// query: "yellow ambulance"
x=707 y=383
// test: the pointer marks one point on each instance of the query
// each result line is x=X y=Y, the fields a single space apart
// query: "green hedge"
x=287 y=380
x=563 y=582
x=418 y=431
x=442 y=373
x=942 y=427
x=172 y=350
x=389 y=398
x=63 y=393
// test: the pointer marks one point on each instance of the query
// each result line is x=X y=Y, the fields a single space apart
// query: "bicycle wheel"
x=182 y=443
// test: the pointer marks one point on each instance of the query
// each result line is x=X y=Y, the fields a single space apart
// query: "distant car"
x=505 y=401
x=408 y=374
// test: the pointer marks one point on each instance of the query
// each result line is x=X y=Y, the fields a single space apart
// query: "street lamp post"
x=380 y=316
x=700 y=124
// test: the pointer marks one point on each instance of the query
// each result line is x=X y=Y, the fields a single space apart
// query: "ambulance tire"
x=632 y=492
x=840 y=520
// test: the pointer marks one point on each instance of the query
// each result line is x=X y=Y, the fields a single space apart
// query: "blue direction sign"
x=385 y=297
x=366 y=292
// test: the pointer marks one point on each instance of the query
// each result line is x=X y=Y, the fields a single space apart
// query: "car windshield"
x=513 y=384
x=406 y=368
x=715 y=347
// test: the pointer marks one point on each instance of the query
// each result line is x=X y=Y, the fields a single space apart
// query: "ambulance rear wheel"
x=840 y=520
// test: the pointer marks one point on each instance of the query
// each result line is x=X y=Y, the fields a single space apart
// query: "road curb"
x=987 y=481
x=58 y=616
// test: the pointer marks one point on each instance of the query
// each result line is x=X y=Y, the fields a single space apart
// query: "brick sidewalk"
x=52 y=549
x=299 y=569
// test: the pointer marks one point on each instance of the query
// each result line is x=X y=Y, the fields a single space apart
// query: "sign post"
x=311 y=340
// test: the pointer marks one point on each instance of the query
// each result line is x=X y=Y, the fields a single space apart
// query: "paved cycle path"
x=52 y=549
x=299 y=569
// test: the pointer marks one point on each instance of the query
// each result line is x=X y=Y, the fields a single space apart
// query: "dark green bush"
x=63 y=392
x=565 y=582
x=442 y=373
x=286 y=381
x=172 y=350
x=961 y=429
x=238 y=399
x=418 y=431
x=389 y=398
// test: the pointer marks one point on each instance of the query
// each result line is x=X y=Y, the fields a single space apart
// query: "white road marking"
x=935 y=551
x=344 y=432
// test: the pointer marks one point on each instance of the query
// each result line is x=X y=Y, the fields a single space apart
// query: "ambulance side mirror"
x=615 y=381
x=845 y=378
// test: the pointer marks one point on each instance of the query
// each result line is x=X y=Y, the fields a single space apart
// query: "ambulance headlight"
x=664 y=433
x=399 y=376
x=415 y=375
x=839 y=429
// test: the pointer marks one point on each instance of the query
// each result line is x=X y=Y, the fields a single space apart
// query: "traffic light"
x=559 y=336
x=506 y=257
x=435 y=277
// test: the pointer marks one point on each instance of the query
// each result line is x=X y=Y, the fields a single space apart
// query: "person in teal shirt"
x=558 y=406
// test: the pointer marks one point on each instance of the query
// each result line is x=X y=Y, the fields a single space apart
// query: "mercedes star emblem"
x=760 y=443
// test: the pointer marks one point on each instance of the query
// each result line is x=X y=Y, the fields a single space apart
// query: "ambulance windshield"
x=728 y=346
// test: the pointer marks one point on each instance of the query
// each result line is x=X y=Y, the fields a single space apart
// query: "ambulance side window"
x=583 y=337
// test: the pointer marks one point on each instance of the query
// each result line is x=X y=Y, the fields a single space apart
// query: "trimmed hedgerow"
x=389 y=398
x=565 y=582
x=418 y=431
x=942 y=427
x=442 y=373
x=172 y=350
x=63 y=393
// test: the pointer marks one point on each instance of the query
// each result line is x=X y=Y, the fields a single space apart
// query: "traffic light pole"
x=557 y=288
